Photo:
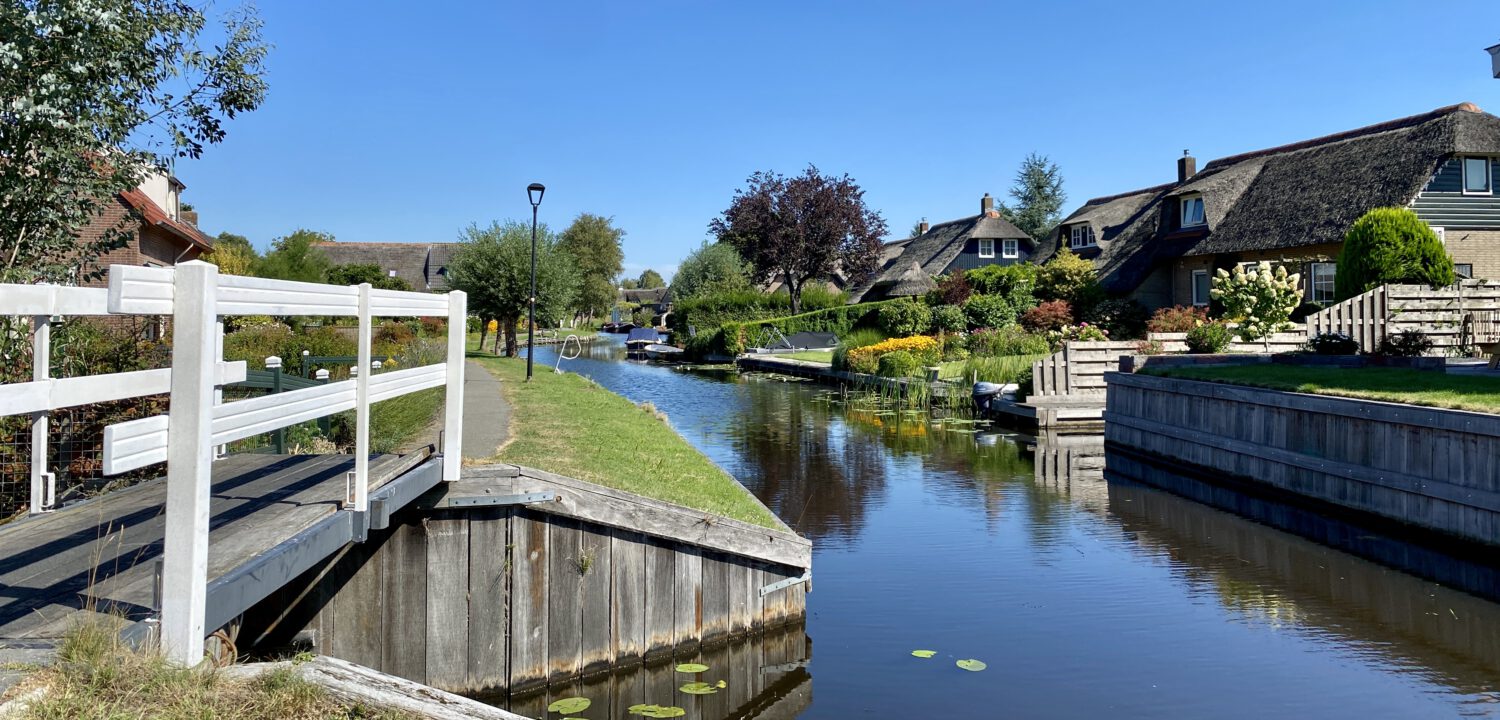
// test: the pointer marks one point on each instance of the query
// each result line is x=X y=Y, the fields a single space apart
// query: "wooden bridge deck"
x=101 y=555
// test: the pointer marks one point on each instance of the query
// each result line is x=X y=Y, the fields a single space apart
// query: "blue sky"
x=400 y=121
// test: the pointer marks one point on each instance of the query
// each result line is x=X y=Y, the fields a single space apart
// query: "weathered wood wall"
x=1282 y=342
x=1391 y=309
x=509 y=598
x=1436 y=469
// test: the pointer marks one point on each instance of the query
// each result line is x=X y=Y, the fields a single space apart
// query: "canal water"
x=1086 y=597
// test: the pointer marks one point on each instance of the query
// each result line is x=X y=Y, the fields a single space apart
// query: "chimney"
x=986 y=204
x=1187 y=166
x=922 y=227
x=1494 y=52
x=188 y=216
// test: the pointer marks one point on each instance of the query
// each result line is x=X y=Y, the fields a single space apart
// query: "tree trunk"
x=794 y=291
x=484 y=329
x=511 y=344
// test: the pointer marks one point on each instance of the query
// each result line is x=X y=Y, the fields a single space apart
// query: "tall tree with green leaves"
x=296 y=257
x=493 y=265
x=650 y=279
x=1039 y=197
x=594 y=242
x=95 y=95
x=712 y=268
x=233 y=254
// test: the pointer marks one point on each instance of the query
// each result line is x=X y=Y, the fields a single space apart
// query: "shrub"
x=863 y=337
x=1407 y=343
x=1050 y=315
x=1208 y=338
x=730 y=337
x=1080 y=332
x=1000 y=370
x=1005 y=280
x=1176 y=319
x=711 y=311
x=1069 y=277
x=1025 y=384
x=1149 y=347
x=1261 y=299
x=1390 y=245
x=925 y=349
x=1332 y=344
x=989 y=311
x=949 y=318
x=1120 y=319
x=1306 y=309
x=952 y=289
x=905 y=317
x=899 y=363
x=254 y=345
x=391 y=332
x=1010 y=340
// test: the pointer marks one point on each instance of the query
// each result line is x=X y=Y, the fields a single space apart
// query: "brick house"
x=160 y=232
x=1293 y=204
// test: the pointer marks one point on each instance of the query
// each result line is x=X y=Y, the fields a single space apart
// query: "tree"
x=650 y=279
x=712 y=268
x=296 y=257
x=1069 y=277
x=1039 y=197
x=356 y=273
x=594 y=242
x=801 y=228
x=233 y=254
x=1390 y=246
x=95 y=95
x=493 y=265
x=629 y=284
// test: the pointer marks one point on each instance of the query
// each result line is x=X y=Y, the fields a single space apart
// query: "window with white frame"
x=1010 y=248
x=1464 y=270
x=1192 y=211
x=986 y=248
x=1201 y=286
x=1442 y=234
x=1477 y=178
x=1081 y=236
x=1322 y=274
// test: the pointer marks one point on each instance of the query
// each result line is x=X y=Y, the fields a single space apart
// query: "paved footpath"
x=486 y=414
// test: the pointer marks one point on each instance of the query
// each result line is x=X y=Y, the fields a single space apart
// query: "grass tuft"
x=1415 y=387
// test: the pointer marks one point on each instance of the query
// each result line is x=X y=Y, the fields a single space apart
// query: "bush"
x=1261 y=299
x=1005 y=341
x=952 y=289
x=1000 y=370
x=1332 y=344
x=709 y=312
x=1083 y=332
x=392 y=332
x=1025 y=384
x=949 y=318
x=1149 y=347
x=1209 y=338
x=899 y=363
x=863 y=337
x=1304 y=310
x=925 y=349
x=1120 y=319
x=989 y=311
x=730 y=338
x=1407 y=343
x=1069 y=277
x=255 y=344
x=1176 y=319
x=1015 y=283
x=1391 y=245
x=905 y=317
x=1050 y=315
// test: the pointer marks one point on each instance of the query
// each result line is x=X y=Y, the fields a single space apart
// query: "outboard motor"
x=983 y=393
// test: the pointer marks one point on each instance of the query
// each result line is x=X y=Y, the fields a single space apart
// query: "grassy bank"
x=97 y=678
x=571 y=426
x=1416 y=387
x=818 y=356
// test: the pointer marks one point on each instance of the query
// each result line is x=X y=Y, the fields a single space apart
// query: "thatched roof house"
x=963 y=244
x=424 y=266
x=913 y=282
x=1293 y=204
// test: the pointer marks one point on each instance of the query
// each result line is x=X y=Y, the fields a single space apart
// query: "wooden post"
x=362 y=406
x=453 y=422
x=43 y=483
x=189 y=460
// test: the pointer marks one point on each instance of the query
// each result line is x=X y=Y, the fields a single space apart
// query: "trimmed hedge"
x=731 y=337
x=711 y=311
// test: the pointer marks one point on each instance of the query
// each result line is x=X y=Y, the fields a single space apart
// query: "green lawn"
x=571 y=426
x=1461 y=392
x=820 y=356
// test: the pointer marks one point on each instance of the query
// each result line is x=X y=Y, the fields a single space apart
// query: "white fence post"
x=43 y=483
x=453 y=422
x=362 y=405
x=189 y=462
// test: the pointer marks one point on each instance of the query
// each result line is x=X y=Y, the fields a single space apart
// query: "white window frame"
x=1194 y=289
x=1489 y=175
x=1441 y=233
x=1081 y=236
x=1010 y=248
x=1313 y=280
x=986 y=248
x=1182 y=211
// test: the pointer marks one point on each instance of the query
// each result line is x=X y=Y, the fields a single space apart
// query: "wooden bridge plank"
x=565 y=571
x=405 y=557
x=660 y=586
x=628 y=589
x=489 y=586
x=688 y=589
x=715 y=598
x=447 y=599
x=530 y=560
x=596 y=649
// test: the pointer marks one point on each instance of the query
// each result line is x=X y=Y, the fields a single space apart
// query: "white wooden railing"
x=195 y=296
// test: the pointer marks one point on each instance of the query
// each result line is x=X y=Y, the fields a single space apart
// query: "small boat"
x=618 y=328
x=658 y=351
x=638 y=339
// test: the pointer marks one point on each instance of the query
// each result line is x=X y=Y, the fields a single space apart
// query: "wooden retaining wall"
x=1432 y=468
x=470 y=590
x=1391 y=309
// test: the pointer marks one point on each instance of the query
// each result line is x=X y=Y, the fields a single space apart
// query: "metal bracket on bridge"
x=492 y=500
x=782 y=584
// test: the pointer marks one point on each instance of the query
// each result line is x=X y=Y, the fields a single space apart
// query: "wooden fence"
x=1391 y=309
x=1078 y=368
x=1281 y=342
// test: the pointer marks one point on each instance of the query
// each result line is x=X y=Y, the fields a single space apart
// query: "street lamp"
x=534 y=192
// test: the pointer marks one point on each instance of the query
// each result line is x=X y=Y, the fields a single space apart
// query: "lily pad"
x=698 y=688
x=972 y=665
x=692 y=668
x=570 y=705
x=656 y=711
x=923 y=653
x=721 y=685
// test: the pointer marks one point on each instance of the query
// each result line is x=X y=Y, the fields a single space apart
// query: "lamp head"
x=535 y=191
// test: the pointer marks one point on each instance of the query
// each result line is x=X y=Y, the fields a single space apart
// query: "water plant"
x=570 y=705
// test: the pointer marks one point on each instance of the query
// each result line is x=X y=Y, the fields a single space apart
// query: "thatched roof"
x=423 y=266
x=914 y=281
x=932 y=251
x=1291 y=196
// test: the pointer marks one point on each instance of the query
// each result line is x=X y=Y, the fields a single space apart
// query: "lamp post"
x=534 y=192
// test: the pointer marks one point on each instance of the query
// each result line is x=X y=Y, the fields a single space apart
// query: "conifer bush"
x=1391 y=246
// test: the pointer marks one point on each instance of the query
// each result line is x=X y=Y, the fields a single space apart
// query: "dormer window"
x=1081 y=236
x=1477 y=177
x=1192 y=211
x=986 y=248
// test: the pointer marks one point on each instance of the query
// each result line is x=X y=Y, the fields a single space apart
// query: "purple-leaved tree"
x=801 y=228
